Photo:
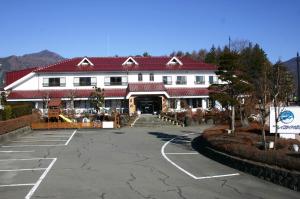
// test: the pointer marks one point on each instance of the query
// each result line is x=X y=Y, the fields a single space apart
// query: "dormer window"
x=129 y=62
x=85 y=62
x=174 y=61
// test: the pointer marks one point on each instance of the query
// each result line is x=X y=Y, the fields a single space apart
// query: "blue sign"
x=286 y=117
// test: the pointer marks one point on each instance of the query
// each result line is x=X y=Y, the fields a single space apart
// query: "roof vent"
x=174 y=61
x=85 y=62
x=129 y=62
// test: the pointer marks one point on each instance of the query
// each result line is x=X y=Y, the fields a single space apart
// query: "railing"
x=167 y=82
x=115 y=83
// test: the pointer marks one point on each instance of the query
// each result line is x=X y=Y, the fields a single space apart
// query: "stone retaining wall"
x=13 y=134
x=283 y=177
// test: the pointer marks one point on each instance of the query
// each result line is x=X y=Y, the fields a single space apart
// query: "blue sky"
x=106 y=28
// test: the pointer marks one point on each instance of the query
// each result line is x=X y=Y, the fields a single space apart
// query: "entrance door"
x=149 y=104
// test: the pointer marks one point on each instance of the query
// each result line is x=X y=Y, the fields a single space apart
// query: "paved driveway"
x=121 y=163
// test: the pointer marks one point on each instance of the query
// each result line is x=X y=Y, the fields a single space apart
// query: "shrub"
x=7 y=112
x=20 y=110
x=244 y=145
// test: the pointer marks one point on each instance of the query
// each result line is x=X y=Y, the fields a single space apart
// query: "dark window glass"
x=115 y=80
x=181 y=80
x=84 y=81
x=151 y=77
x=140 y=77
x=54 y=81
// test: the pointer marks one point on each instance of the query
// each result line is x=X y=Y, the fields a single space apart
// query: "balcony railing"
x=167 y=82
x=180 y=82
x=115 y=83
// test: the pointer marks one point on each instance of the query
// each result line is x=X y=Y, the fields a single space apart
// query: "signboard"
x=289 y=120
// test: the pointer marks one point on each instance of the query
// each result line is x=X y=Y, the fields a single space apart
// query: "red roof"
x=174 y=92
x=144 y=87
x=115 y=64
x=15 y=75
x=64 y=93
x=112 y=64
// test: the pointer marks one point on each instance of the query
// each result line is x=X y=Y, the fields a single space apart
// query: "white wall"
x=36 y=82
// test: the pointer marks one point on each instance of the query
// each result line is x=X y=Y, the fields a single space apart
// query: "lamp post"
x=298 y=82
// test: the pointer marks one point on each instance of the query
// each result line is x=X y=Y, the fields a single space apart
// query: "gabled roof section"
x=129 y=61
x=114 y=64
x=13 y=76
x=174 y=61
x=85 y=62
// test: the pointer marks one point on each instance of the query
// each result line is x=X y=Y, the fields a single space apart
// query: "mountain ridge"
x=14 y=62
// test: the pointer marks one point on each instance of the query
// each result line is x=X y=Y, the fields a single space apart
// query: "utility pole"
x=298 y=82
x=229 y=42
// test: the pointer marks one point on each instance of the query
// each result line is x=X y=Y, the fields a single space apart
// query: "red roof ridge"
x=60 y=62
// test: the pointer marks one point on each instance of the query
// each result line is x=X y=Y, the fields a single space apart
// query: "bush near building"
x=246 y=145
x=15 y=110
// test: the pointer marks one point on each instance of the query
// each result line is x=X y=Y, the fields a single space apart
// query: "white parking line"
x=16 y=170
x=218 y=176
x=16 y=151
x=71 y=137
x=41 y=145
x=185 y=171
x=26 y=159
x=36 y=185
x=192 y=153
x=39 y=141
x=39 y=137
x=16 y=185
x=19 y=146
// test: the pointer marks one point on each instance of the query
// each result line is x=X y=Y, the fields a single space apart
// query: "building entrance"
x=149 y=104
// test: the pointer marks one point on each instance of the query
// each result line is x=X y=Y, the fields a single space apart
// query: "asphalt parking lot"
x=121 y=163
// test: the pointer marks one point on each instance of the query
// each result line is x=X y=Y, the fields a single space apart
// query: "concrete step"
x=151 y=121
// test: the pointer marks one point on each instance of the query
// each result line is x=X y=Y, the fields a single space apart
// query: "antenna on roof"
x=107 y=45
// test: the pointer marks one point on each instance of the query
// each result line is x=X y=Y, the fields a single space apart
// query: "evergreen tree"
x=234 y=83
x=211 y=56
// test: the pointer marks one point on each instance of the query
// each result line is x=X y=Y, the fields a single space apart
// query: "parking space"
x=24 y=161
x=180 y=154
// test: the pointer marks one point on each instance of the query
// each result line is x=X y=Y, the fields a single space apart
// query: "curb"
x=277 y=175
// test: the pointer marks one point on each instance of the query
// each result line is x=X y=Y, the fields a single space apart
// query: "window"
x=197 y=102
x=55 y=81
x=140 y=77
x=167 y=80
x=151 y=77
x=211 y=79
x=115 y=81
x=200 y=80
x=211 y=103
x=181 y=80
x=85 y=81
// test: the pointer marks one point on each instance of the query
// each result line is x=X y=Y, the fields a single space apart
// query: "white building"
x=147 y=84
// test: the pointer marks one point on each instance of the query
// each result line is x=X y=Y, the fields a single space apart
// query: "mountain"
x=13 y=62
x=291 y=65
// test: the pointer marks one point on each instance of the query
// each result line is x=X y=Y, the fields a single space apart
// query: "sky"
x=75 y=28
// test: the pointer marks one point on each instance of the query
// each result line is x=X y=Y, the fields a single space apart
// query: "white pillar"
x=36 y=105
x=178 y=104
x=204 y=103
